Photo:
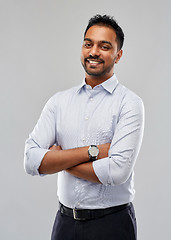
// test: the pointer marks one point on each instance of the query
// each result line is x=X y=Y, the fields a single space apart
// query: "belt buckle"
x=75 y=211
x=74 y=214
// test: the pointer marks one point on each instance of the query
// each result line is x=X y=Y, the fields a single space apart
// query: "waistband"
x=87 y=214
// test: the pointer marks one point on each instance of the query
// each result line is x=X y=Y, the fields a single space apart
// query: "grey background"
x=40 y=43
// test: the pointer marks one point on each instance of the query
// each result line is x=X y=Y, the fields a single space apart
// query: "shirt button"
x=86 y=118
x=83 y=139
x=91 y=99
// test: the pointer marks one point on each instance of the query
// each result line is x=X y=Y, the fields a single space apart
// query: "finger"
x=54 y=147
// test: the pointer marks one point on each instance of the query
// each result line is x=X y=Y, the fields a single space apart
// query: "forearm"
x=84 y=171
x=57 y=160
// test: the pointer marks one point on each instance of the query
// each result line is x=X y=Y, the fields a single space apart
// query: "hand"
x=54 y=147
x=103 y=150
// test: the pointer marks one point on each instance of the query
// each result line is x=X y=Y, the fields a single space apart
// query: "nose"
x=94 y=51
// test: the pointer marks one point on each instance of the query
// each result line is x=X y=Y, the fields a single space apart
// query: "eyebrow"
x=107 y=42
x=103 y=41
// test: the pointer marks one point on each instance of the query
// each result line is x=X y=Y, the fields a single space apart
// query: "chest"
x=86 y=119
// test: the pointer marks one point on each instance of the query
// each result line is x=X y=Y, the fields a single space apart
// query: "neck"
x=94 y=81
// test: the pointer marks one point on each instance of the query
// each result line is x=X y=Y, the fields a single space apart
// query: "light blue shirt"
x=82 y=116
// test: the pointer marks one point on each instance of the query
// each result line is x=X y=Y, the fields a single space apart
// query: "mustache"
x=94 y=58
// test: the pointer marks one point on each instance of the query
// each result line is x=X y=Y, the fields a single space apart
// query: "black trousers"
x=116 y=226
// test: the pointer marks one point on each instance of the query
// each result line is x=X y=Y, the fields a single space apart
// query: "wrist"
x=93 y=152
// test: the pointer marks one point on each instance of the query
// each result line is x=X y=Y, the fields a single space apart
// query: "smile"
x=94 y=62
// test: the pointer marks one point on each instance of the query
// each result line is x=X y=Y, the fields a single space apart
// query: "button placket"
x=88 y=110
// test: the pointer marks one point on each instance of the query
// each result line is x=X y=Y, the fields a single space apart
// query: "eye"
x=87 y=45
x=104 y=47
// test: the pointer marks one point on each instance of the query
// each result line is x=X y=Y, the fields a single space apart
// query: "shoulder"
x=62 y=96
x=127 y=95
x=129 y=101
x=66 y=92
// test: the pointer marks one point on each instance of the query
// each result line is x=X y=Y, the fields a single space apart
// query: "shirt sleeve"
x=125 y=145
x=39 y=141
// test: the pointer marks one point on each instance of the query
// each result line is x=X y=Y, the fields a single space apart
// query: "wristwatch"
x=93 y=152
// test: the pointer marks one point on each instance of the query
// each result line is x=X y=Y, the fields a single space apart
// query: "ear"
x=119 y=55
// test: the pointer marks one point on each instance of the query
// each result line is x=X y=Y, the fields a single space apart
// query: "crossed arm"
x=75 y=161
x=113 y=170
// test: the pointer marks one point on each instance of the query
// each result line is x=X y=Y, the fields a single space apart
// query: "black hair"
x=108 y=21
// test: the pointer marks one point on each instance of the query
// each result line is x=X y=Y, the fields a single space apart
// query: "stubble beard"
x=101 y=73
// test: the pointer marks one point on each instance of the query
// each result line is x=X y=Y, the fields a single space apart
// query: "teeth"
x=90 y=61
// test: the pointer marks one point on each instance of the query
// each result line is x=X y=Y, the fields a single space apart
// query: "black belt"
x=87 y=214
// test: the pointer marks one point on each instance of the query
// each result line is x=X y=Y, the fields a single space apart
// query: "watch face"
x=94 y=151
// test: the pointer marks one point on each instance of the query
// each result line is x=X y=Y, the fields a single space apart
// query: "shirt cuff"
x=33 y=159
x=101 y=170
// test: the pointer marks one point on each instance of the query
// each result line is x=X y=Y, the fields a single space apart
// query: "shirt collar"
x=109 y=85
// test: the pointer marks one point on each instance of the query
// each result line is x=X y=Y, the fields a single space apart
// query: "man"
x=91 y=135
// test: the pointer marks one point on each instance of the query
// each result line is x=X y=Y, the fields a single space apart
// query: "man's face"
x=100 y=51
